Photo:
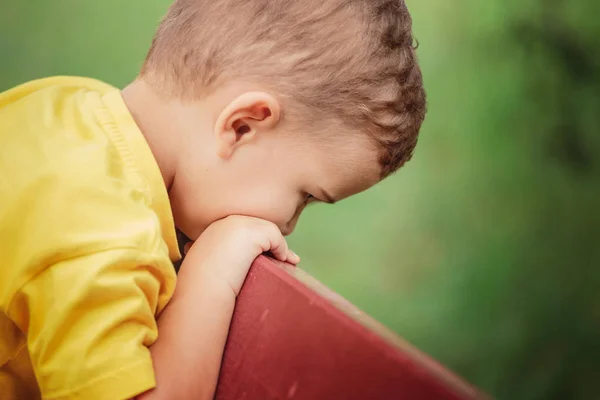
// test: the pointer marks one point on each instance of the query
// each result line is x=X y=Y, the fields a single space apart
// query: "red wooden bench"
x=292 y=338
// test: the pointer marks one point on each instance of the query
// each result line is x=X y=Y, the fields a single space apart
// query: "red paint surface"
x=288 y=342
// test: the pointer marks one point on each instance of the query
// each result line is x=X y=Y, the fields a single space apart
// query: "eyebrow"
x=326 y=196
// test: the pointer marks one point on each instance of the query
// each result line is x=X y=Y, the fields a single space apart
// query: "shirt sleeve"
x=97 y=277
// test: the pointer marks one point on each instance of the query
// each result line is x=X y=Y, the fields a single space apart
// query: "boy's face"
x=249 y=166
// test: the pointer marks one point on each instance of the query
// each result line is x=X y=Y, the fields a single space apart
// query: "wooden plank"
x=292 y=338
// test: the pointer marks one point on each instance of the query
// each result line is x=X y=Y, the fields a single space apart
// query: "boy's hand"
x=227 y=248
x=193 y=327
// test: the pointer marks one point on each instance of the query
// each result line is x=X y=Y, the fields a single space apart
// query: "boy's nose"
x=288 y=228
x=286 y=231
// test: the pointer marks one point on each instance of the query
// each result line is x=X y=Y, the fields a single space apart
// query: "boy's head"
x=275 y=102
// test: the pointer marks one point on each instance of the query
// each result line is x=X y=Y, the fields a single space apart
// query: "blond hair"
x=353 y=59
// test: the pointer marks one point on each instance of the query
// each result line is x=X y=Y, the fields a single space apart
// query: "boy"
x=244 y=113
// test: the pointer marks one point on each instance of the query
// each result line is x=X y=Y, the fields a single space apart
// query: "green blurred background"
x=484 y=250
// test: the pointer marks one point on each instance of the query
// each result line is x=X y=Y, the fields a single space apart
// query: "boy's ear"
x=248 y=115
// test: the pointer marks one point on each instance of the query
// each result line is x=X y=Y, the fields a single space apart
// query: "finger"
x=292 y=258
x=277 y=243
x=187 y=247
x=279 y=248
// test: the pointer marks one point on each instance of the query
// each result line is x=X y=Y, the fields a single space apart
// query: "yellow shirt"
x=86 y=244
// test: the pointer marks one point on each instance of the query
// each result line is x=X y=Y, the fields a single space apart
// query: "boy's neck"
x=152 y=118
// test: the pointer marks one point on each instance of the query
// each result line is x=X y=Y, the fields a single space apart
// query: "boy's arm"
x=194 y=326
x=192 y=334
x=89 y=321
x=86 y=271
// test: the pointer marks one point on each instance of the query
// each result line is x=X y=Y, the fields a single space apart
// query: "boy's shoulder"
x=49 y=125
x=70 y=152
x=56 y=84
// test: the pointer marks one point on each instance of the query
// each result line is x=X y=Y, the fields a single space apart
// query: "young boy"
x=244 y=113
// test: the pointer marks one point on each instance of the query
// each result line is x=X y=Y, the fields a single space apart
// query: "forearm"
x=192 y=334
